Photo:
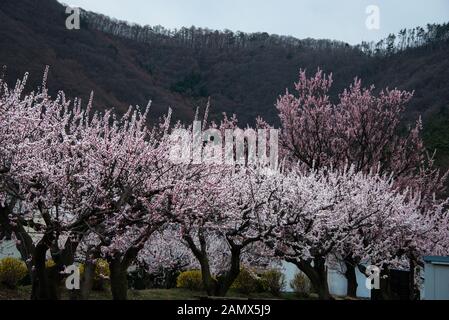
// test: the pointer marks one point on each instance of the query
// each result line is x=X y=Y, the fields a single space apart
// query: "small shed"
x=436 y=278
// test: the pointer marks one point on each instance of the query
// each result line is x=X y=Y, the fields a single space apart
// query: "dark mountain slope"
x=33 y=34
x=423 y=70
x=426 y=72
x=121 y=71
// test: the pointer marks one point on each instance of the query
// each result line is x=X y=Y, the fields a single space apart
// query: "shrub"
x=49 y=264
x=12 y=270
x=102 y=270
x=101 y=275
x=191 y=280
x=160 y=278
x=140 y=279
x=301 y=285
x=273 y=281
x=246 y=282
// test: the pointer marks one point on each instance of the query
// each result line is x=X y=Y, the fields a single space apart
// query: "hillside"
x=241 y=73
x=33 y=34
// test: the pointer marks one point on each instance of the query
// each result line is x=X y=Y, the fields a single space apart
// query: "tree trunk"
x=26 y=246
x=225 y=282
x=385 y=285
x=317 y=274
x=351 y=277
x=210 y=284
x=412 y=286
x=87 y=279
x=42 y=288
x=119 y=281
x=323 y=286
x=5 y=227
x=45 y=282
x=221 y=285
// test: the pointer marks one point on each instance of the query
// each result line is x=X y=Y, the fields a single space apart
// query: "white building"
x=8 y=249
x=436 y=275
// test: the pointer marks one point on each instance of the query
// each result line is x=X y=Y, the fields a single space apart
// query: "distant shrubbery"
x=101 y=274
x=49 y=263
x=273 y=281
x=249 y=281
x=301 y=285
x=12 y=270
x=190 y=280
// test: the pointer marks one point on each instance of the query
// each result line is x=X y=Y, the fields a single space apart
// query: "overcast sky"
x=341 y=20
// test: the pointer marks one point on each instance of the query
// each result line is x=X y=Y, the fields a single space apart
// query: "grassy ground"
x=23 y=293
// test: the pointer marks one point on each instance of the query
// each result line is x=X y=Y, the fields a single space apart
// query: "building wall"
x=8 y=249
x=436 y=285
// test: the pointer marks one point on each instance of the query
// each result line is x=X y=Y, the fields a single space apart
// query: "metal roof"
x=435 y=259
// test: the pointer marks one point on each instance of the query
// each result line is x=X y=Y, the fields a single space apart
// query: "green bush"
x=301 y=285
x=102 y=270
x=272 y=281
x=49 y=264
x=12 y=270
x=246 y=282
x=191 y=280
x=101 y=275
x=141 y=279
